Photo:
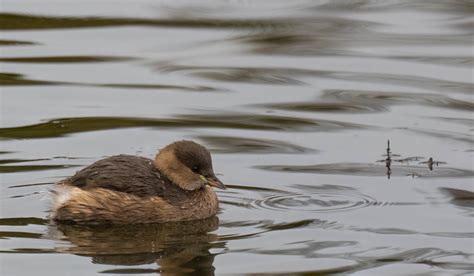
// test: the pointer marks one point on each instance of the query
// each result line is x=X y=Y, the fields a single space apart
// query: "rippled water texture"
x=295 y=99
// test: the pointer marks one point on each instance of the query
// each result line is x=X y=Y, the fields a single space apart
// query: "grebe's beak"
x=213 y=181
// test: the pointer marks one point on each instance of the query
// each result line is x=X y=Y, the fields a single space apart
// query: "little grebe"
x=130 y=189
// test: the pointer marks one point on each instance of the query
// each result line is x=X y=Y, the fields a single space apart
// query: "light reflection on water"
x=295 y=99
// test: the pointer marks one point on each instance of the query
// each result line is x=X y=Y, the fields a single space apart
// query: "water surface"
x=295 y=99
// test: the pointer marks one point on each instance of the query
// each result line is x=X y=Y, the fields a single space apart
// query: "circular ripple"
x=317 y=202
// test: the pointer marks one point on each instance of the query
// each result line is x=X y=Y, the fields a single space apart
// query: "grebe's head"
x=188 y=165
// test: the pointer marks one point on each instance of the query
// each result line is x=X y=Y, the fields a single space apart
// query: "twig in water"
x=388 y=160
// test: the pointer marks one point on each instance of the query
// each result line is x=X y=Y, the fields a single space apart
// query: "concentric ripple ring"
x=315 y=202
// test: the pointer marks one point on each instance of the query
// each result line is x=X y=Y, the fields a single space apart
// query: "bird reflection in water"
x=178 y=248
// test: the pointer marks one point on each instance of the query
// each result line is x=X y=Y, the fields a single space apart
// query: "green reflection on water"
x=61 y=127
x=11 y=21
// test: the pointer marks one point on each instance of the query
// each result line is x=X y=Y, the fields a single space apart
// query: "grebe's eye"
x=195 y=169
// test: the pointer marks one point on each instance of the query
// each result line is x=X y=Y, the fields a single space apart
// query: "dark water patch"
x=64 y=59
x=12 y=21
x=307 y=223
x=452 y=265
x=11 y=234
x=290 y=225
x=243 y=223
x=455 y=6
x=160 y=86
x=249 y=76
x=6 y=165
x=5 y=42
x=30 y=168
x=305 y=42
x=71 y=158
x=458 y=194
x=228 y=144
x=388 y=204
x=464 y=26
x=30 y=185
x=459 y=197
x=8 y=79
x=460 y=235
x=325 y=44
x=23 y=221
x=363 y=169
x=419 y=255
x=327 y=34
x=64 y=126
x=359 y=101
x=387 y=231
x=326 y=107
x=24 y=195
x=8 y=161
x=407 y=80
x=233 y=237
x=234 y=204
x=29 y=251
x=385 y=99
x=288 y=75
x=258 y=75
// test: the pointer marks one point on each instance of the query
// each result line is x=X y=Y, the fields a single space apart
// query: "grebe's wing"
x=124 y=173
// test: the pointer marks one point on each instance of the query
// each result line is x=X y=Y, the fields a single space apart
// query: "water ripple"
x=64 y=126
x=322 y=202
x=338 y=107
x=227 y=144
x=14 y=79
x=5 y=42
x=63 y=59
x=363 y=169
x=385 y=99
x=10 y=165
x=288 y=75
x=323 y=198
x=13 y=21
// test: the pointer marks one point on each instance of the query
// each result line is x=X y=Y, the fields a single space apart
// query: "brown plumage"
x=130 y=189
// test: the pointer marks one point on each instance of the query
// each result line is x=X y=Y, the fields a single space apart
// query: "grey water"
x=296 y=101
